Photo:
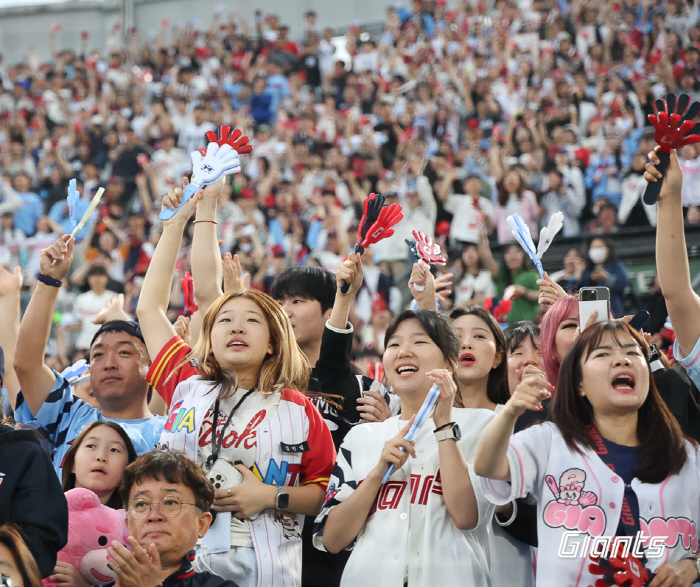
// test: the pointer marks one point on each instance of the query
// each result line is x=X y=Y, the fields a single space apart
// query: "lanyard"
x=628 y=521
x=216 y=447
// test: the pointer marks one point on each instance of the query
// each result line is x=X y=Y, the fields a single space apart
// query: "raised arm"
x=672 y=256
x=10 y=289
x=206 y=270
x=491 y=455
x=155 y=292
x=35 y=378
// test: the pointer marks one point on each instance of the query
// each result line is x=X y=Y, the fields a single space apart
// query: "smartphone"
x=224 y=475
x=590 y=300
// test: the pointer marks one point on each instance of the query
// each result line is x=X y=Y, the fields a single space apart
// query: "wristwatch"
x=696 y=562
x=282 y=499
x=448 y=432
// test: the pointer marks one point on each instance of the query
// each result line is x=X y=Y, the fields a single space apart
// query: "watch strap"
x=45 y=279
x=446 y=434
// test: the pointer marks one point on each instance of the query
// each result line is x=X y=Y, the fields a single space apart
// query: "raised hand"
x=10 y=282
x=422 y=286
x=112 y=310
x=672 y=182
x=550 y=291
x=528 y=395
x=55 y=260
x=350 y=273
x=181 y=209
x=448 y=390
x=206 y=170
x=234 y=280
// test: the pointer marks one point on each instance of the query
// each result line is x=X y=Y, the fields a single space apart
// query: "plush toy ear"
x=81 y=499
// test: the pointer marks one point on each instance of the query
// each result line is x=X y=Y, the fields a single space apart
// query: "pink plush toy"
x=91 y=529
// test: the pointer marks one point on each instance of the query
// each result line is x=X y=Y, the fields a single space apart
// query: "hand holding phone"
x=592 y=299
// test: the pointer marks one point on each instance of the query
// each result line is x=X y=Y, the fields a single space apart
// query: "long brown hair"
x=285 y=367
x=662 y=448
x=24 y=561
x=497 y=389
x=68 y=477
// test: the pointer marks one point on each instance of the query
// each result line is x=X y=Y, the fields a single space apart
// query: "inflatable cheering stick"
x=72 y=199
x=423 y=414
x=521 y=232
x=235 y=138
x=188 y=295
x=209 y=168
x=674 y=129
x=625 y=571
x=375 y=225
x=427 y=251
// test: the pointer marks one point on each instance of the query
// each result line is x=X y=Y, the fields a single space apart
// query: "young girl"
x=96 y=461
x=237 y=402
x=423 y=526
x=607 y=414
x=482 y=371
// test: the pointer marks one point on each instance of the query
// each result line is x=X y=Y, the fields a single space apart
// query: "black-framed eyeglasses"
x=170 y=507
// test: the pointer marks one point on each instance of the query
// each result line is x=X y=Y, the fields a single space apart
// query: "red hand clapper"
x=674 y=128
x=427 y=250
x=237 y=140
x=375 y=225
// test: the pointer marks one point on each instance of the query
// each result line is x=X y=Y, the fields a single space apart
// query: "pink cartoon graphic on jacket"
x=570 y=489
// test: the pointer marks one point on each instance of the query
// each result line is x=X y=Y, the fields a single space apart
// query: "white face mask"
x=598 y=254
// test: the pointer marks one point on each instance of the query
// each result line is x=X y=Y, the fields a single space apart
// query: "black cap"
x=131 y=328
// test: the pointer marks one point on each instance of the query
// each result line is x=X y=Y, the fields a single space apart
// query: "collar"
x=186 y=569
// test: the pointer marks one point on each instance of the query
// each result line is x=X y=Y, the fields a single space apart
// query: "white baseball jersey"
x=589 y=506
x=292 y=447
x=409 y=535
x=510 y=560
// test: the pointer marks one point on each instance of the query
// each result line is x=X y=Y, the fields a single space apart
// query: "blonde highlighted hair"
x=285 y=367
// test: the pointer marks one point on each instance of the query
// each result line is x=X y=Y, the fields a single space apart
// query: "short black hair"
x=306 y=282
x=97 y=270
x=172 y=466
x=518 y=332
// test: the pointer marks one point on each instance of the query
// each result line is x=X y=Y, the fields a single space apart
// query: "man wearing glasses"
x=167 y=500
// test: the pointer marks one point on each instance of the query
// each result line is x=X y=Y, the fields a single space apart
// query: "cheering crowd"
x=249 y=390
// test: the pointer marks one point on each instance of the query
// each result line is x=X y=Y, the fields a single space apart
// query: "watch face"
x=457 y=432
x=282 y=501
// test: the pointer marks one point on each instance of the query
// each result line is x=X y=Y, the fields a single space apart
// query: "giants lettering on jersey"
x=180 y=418
x=673 y=530
x=277 y=474
x=421 y=486
x=248 y=438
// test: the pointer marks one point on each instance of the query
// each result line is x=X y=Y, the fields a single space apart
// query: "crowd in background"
x=462 y=113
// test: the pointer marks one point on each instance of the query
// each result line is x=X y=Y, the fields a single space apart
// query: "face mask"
x=598 y=254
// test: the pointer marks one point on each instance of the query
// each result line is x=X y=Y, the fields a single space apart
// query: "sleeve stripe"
x=319 y=480
x=165 y=358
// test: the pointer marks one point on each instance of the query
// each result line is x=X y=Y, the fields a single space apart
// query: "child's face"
x=100 y=461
